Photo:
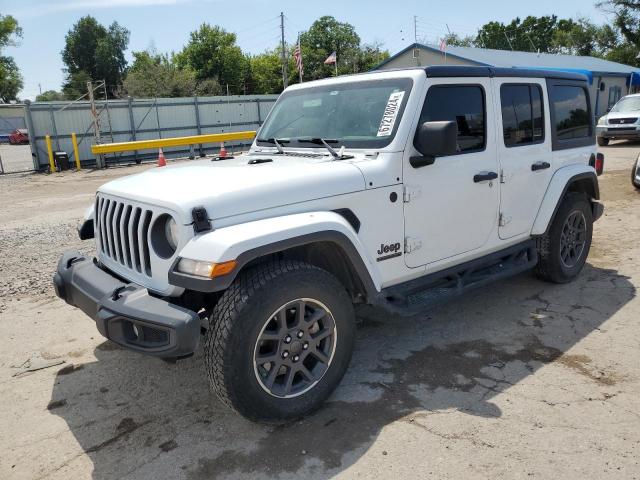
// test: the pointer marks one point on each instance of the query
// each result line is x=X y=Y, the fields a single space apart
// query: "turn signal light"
x=205 y=269
x=599 y=166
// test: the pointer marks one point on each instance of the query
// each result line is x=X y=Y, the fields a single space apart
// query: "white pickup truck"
x=396 y=189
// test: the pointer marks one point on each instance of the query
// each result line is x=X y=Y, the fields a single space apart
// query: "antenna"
x=415 y=29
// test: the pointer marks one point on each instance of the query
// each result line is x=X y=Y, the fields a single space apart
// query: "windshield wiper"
x=276 y=141
x=325 y=143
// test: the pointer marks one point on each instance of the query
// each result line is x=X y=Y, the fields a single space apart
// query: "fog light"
x=135 y=330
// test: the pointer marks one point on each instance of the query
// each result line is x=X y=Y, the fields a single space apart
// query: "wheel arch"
x=324 y=239
x=575 y=178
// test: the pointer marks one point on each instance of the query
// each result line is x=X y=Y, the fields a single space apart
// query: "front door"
x=452 y=205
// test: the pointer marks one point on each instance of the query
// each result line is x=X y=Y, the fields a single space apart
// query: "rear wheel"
x=563 y=249
x=281 y=339
x=603 y=142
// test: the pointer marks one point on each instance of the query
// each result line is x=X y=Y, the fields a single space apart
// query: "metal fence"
x=141 y=119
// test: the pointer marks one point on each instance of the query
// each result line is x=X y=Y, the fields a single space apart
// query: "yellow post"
x=52 y=165
x=74 y=141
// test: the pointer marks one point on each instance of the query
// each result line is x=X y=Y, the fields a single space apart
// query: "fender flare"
x=247 y=241
x=560 y=183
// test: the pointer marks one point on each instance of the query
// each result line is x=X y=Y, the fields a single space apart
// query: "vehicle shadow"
x=139 y=417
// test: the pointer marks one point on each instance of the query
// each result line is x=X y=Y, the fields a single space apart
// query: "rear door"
x=524 y=151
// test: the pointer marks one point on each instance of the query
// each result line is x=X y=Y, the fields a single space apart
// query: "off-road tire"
x=550 y=265
x=602 y=141
x=634 y=182
x=238 y=319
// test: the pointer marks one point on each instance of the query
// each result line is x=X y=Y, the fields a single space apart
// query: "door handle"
x=540 y=166
x=484 y=176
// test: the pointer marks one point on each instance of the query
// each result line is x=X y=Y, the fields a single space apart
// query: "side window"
x=463 y=104
x=614 y=95
x=522 y=119
x=571 y=112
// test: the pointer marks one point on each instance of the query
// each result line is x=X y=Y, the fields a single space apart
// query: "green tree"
x=458 y=41
x=157 y=75
x=529 y=35
x=369 y=56
x=10 y=79
x=327 y=35
x=95 y=52
x=212 y=53
x=50 y=96
x=266 y=72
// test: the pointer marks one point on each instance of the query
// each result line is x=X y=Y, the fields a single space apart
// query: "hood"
x=231 y=187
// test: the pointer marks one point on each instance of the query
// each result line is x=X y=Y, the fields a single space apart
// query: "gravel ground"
x=520 y=380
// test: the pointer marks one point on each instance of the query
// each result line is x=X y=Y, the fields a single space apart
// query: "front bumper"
x=620 y=132
x=126 y=313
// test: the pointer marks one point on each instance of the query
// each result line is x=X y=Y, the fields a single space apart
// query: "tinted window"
x=571 y=112
x=463 y=105
x=522 y=121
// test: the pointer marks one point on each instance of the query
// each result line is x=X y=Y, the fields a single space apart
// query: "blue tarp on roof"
x=634 y=79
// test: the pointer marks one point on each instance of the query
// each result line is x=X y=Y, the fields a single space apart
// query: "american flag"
x=331 y=59
x=443 y=44
x=297 y=54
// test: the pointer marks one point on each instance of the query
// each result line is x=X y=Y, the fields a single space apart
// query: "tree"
x=327 y=35
x=158 y=75
x=529 y=35
x=50 y=96
x=10 y=79
x=369 y=56
x=582 y=37
x=95 y=52
x=457 y=41
x=266 y=72
x=212 y=53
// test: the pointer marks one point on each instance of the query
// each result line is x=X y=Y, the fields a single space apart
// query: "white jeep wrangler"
x=397 y=189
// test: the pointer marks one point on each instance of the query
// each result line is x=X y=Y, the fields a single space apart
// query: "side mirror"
x=435 y=139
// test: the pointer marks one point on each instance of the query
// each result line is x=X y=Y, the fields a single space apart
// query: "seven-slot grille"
x=122 y=232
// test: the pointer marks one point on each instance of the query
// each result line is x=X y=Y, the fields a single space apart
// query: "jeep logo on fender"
x=389 y=251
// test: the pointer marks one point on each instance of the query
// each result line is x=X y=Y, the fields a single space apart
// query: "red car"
x=19 y=136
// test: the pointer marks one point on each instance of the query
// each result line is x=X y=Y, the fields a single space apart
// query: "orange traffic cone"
x=161 y=160
x=223 y=150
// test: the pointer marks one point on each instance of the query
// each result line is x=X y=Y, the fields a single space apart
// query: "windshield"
x=627 y=104
x=362 y=114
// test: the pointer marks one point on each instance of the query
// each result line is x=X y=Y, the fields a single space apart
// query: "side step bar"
x=415 y=296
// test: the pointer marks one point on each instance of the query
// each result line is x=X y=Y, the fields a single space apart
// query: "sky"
x=165 y=24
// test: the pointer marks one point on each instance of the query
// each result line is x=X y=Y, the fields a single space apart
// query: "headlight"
x=171 y=232
x=165 y=236
x=603 y=120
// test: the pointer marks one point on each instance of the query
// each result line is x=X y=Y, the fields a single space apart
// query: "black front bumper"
x=126 y=313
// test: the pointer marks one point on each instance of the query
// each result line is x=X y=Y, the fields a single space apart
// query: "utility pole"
x=40 y=88
x=284 y=53
x=415 y=29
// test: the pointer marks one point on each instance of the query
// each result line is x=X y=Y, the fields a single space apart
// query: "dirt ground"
x=522 y=379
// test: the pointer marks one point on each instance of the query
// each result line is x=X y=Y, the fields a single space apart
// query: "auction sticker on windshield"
x=390 y=114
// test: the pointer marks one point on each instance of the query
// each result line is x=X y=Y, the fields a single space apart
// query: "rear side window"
x=463 y=104
x=571 y=112
x=522 y=119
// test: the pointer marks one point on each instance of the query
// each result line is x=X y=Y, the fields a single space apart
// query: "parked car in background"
x=622 y=121
x=19 y=136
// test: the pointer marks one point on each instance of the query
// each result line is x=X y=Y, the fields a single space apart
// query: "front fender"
x=247 y=241
x=558 y=186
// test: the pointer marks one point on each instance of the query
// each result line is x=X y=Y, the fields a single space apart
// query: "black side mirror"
x=434 y=139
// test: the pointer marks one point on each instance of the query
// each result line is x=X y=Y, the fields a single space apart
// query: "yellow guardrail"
x=171 y=142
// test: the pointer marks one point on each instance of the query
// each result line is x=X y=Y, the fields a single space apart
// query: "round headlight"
x=171 y=232
x=165 y=236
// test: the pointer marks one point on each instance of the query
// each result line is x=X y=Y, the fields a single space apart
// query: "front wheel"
x=280 y=341
x=563 y=249
x=603 y=142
